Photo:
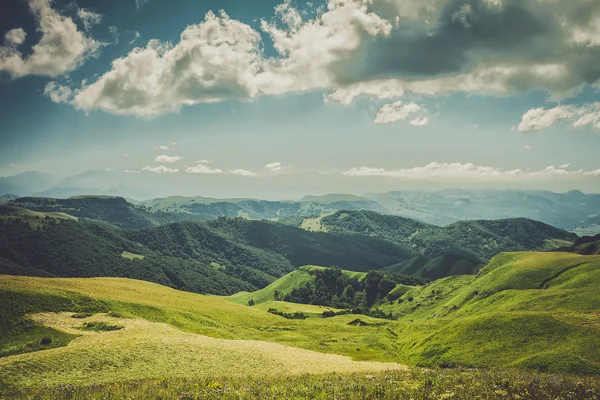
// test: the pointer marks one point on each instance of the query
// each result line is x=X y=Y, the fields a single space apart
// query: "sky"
x=284 y=97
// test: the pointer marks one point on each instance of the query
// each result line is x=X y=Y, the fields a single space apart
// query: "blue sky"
x=419 y=91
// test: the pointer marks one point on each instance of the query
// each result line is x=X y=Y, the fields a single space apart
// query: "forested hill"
x=113 y=210
x=480 y=239
x=221 y=257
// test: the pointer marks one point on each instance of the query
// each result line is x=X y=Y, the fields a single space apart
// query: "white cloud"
x=62 y=47
x=378 y=48
x=167 y=159
x=15 y=37
x=214 y=60
x=160 y=169
x=203 y=169
x=88 y=18
x=58 y=93
x=580 y=116
x=242 y=172
x=527 y=147
x=136 y=36
x=541 y=118
x=129 y=171
x=314 y=54
x=469 y=171
x=463 y=15
x=204 y=162
x=170 y=147
x=274 y=166
x=419 y=121
x=394 y=112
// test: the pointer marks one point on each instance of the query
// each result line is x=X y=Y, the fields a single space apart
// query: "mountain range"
x=574 y=210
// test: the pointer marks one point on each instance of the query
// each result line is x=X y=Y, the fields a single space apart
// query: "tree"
x=251 y=302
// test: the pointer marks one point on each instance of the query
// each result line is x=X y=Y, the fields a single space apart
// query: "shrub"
x=45 y=341
x=82 y=315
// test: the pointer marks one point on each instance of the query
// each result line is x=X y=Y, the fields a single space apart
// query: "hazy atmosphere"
x=284 y=99
x=284 y=199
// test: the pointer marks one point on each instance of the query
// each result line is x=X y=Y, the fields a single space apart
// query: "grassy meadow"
x=524 y=312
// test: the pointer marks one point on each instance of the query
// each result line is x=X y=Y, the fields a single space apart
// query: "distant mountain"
x=260 y=209
x=26 y=183
x=112 y=210
x=569 y=210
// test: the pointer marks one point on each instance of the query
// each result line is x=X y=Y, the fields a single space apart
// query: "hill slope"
x=525 y=310
x=223 y=256
x=480 y=239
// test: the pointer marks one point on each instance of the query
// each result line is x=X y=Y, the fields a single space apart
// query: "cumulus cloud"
x=88 y=18
x=58 y=93
x=160 y=169
x=242 y=172
x=419 y=121
x=221 y=58
x=129 y=171
x=204 y=162
x=214 y=60
x=397 y=111
x=61 y=48
x=203 y=169
x=167 y=159
x=379 y=48
x=579 y=116
x=15 y=37
x=274 y=166
x=469 y=171
x=541 y=118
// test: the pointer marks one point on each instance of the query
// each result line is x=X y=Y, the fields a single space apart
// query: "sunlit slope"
x=145 y=349
x=285 y=285
x=536 y=310
x=209 y=315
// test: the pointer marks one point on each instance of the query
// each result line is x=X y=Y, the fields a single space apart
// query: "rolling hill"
x=524 y=310
x=474 y=240
x=222 y=256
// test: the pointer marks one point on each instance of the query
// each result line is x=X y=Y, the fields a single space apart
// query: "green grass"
x=535 y=311
x=286 y=284
x=416 y=385
x=131 y=256
x=34 y=219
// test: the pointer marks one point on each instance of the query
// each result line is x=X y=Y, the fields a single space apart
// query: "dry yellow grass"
x=146 y=349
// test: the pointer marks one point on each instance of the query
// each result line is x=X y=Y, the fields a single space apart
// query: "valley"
x=87 y=299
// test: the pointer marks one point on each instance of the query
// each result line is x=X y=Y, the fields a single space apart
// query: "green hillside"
x=223 y=256
x=526 y=310
x=480 y=240
x=286 y=284
x=437 y=267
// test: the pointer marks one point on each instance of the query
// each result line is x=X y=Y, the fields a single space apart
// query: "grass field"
x=524 y=310
x=131 y=256
x=394 y=385
x=34 y=218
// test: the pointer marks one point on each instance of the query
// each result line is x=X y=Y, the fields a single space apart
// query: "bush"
x=296 y=315
x=100 y=327
x=82 y=315
x=250 y=302
x=46 y=341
